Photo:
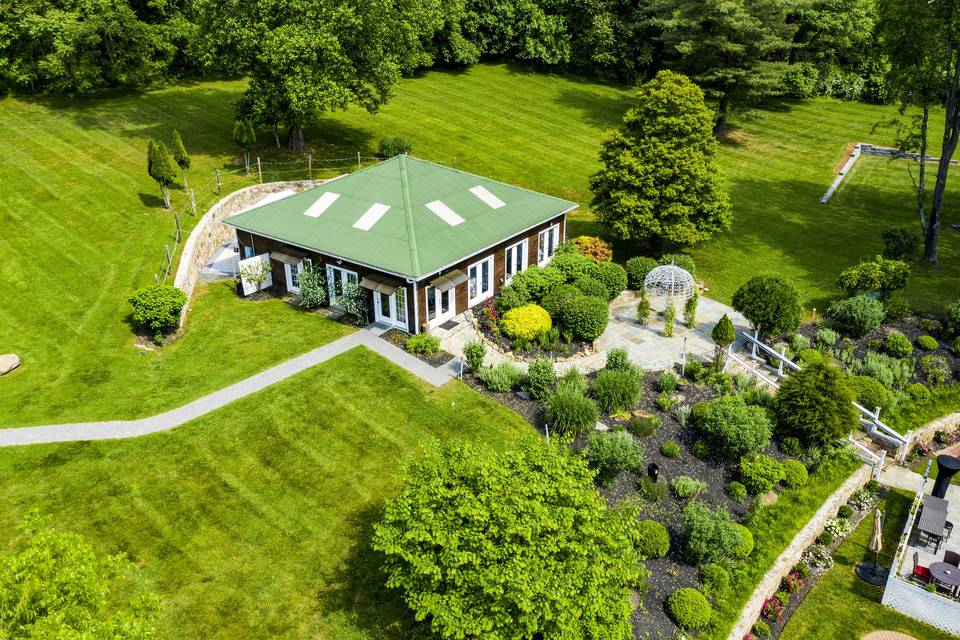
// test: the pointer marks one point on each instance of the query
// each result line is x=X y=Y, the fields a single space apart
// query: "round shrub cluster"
x=686 y=487
x=670 y=449
x=857 y=316
x=157 y=308
x=770 y=303
x=613 y=277
x=586 y=317
x=761 y=629
x=795 y=474
x=590 y=286
x=612 y=452
x=597 y=249
x=919 y=393
x=511 y=297
x=537 y=281
x=541 y=378
x=716 y=580
x=745 y=548
x=735 y=428
x=637 y=269
x=897 y=345
x=502 y=378
x=689 y=608
x=869 y=393
x=525 y=322
x=815 y=404
x=760 y=473
x=927 y=343
x=572 y=265
x=654 y=539
x=681 y=260
x=556 y=301
x=571 y=412
x=616 y=390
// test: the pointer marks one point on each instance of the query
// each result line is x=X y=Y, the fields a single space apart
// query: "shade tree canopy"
x=770 y=303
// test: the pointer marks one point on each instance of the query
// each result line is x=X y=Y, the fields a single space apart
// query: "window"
x=480 y=281
x=549 y=240
x=400 y=299
x=336 y=278
x=516 y=259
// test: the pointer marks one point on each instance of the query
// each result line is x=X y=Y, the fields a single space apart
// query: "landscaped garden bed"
x=423 y=346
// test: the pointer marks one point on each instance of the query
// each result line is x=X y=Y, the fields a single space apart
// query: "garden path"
x=106 y=430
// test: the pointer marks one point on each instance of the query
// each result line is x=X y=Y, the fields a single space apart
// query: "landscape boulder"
x=9 y=362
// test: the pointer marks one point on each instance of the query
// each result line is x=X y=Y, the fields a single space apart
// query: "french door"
x=336 y=279
x=391 y=309
x=440 y=305
x=292 y=272
x=480 y=281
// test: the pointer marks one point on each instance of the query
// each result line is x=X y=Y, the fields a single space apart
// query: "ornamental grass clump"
x=643 y=426
x=570 y=412
x=612 y=452
x=666 y=382
x=616 y=390
x=573 y=380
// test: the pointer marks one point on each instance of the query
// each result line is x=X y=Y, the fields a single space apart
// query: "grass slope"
x=842 y=607
x=252 y=522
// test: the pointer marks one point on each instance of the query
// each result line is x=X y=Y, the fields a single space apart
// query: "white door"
x=480 y=281
x=441 y=305
x=515 y=260
x=336 y=278
x=548 y=241
x=292 y=272
x=391 y=309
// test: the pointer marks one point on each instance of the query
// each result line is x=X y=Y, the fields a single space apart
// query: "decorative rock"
x=640 y=413
x=523 y=395
x=769 y=498
x=602 y=427
x=9 y=362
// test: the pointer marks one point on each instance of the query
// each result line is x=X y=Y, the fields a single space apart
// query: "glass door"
x=391 y=309
x=440 y=305
x=336 y=279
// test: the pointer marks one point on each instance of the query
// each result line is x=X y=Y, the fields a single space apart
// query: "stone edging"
x=209 y=234
x=946 y=423
x=791 y=555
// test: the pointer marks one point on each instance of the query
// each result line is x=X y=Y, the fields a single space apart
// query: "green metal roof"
x=387 y=216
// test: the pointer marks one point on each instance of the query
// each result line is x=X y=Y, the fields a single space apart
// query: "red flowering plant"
x=942 y=437
x=490 y=316
x=772 y=609
x=793 y=582
x=924 y=449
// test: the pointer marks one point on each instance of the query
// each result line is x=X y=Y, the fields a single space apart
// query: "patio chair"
x=920 y=573
x=947 y=530
x=952 y=557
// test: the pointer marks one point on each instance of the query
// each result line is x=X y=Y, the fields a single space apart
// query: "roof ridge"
x=408 y=214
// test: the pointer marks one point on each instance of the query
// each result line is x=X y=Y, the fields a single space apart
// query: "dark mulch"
x=564 y=349
x=527 y=407
x=399 y=338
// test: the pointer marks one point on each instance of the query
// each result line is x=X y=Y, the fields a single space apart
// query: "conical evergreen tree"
x=181 y=156
x=160 y=168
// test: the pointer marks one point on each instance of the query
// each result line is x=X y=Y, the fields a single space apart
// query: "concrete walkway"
x=213 y=401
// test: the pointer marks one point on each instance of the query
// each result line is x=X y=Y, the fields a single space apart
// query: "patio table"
x=932 y=523
x=935 y=503
x=948 y=574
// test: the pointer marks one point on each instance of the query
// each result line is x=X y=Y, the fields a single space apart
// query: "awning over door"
x=288 y=255
x=449 y=280
x=380 y=284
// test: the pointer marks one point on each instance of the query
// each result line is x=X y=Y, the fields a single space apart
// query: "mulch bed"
x=566 y=349
x=399 y=338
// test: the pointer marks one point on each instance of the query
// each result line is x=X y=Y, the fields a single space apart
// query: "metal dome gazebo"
x=670 y=282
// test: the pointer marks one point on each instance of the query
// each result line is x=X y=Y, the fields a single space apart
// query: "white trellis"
x=670 y=282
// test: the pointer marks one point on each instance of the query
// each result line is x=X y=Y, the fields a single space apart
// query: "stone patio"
x=645 y=345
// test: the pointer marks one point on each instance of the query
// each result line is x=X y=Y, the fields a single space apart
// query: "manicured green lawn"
x=841 y=606
x=253 y=521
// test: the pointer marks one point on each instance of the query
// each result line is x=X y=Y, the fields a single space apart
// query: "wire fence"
x=189 y=201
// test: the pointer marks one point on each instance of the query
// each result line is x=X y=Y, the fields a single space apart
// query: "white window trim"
x=545 y=234
x=288 y=273
x=482 y=295
x=524 y=263
x=330 y=285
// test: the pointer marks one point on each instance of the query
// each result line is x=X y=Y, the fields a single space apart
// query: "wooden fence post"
x=176 y=220
x=218 y=181
x=259 y=170
x=166 y=250
x=310 y=166
x=193 y=201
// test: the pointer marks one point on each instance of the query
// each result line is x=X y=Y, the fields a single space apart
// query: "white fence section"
x=910 y=599
x=871 y=458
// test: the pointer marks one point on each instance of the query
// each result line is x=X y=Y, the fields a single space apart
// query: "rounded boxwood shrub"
x=586 y=316
x=681 y=260
x=538 y=281
x=654 y=539
x=735 y=428
x=555 y=302
x=927 y=343
x=897 y=345
x=590 y=286
x=618 y=360
x=157 y=308
x=770 y=303
x=572 y=265
x=525 y=322
x=869 y=393
x=637 y=269
x=571 y=412
x=760 y=473
x=794 y=474
x=613 y=277
x=919 y=393
x=510 y=297
x=670 y=449
x=857 y=316
x=689 y=608
x=616 y=390
x=745 y=547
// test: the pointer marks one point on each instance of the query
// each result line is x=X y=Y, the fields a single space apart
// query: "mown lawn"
x=253 y=521
x=841 y=606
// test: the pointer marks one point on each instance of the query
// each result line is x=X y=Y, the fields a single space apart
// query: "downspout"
x=416 y=308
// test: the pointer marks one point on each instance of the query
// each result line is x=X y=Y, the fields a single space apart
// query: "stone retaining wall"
x=791 y=555
x=210 y=233
x=946 y=423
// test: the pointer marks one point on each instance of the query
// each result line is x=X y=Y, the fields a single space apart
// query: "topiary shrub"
x=525 y=322
x=653 y=539
x=613 y=277
x=597 y=249
x=760 y=473
x=571 y=412
x=423 y=344
x=616 y=390
x=556 y=301
x=926 y=343
x=538 y=281
x=644 y=426
x=503 y=378
x=612 y=452
x=879 y=275
x=770 y=303
x=794 y=474
x=573 y=265
x=685 y=487
x=689 y=608
x=541 y=378
x=637 y=269
x=745 y=547
x=473 y=353
x=737 y=492
x=897 y=345
x=918 y=393
x=815 y=404
x=681 y=260
x=670 y=449
x=732 y=426
x=856 y=316
x=618 y=360
x=157 y=309
x=590 y=286
x=586 y=317
x=394 y=146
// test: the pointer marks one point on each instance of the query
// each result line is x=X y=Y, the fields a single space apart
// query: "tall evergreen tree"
x=725 y=46
x=658 y=179
x=160 y=168
x=181 y=156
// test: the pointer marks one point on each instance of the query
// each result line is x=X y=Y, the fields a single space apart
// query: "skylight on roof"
x=488 y=198
x=322 y=204
x=371 y=216
x=444 y=212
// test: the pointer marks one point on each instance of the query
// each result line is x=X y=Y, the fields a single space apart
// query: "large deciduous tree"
x=725 y=46
x=658 y=178
x=56 y=587
x=922 y=41
x=509 y=545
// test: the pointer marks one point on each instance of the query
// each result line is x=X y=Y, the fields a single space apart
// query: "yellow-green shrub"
x=525 y=322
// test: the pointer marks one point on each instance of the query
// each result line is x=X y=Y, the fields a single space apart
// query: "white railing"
x=782 y=359
x=750 y=366
x=871 y=458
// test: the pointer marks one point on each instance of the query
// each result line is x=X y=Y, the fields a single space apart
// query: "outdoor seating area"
x=932 y=548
